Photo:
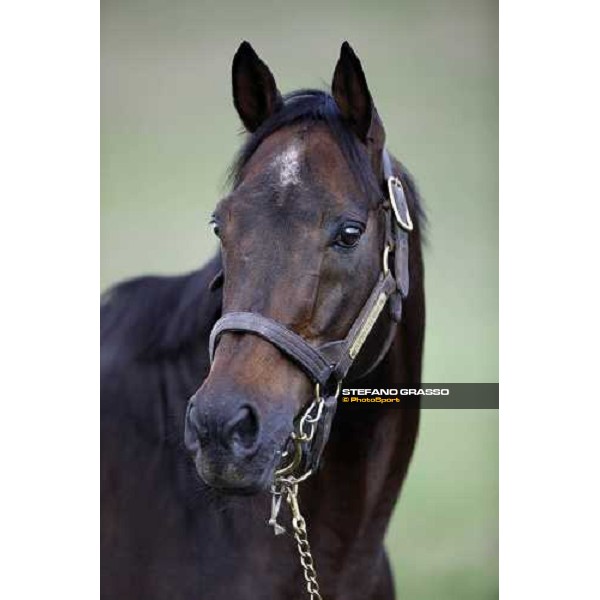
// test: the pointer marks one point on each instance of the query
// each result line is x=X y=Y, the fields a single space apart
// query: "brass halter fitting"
x=386 y=258
x=311 y=417
x=402 y=218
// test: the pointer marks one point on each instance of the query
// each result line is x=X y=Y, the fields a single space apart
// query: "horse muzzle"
x=235 y=448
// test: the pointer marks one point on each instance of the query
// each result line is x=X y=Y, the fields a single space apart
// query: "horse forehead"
x=286 y=164
x=295 y=165
x=285 y=152
x=306 y=162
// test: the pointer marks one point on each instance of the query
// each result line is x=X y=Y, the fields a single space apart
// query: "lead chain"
x=301 y=537
x=286 y=485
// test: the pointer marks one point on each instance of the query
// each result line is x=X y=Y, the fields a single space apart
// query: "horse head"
x=302 y=235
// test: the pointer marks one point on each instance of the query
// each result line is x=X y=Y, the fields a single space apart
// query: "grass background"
x=169 y=131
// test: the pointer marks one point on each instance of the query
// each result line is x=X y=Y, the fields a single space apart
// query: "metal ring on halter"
x=318 y=390
x=338 y=389
x=300 y=437
x=386 y=258
x=312 y=421
x=289 y=469
x=318 y=402
x=404 y=219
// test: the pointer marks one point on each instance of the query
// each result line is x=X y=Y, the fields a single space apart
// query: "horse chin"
x=228 y=479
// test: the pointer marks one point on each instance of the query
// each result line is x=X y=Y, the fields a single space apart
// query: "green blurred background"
x=169 y=131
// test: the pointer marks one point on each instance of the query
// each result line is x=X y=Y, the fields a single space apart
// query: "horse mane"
x=152 y=316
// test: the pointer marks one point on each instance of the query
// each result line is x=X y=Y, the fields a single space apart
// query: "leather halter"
x=329 y=364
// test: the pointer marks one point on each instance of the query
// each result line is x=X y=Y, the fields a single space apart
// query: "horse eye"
x=215 y=227
x=348 y=236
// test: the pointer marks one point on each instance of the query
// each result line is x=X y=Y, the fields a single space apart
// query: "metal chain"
x=301 y=536
x=286 y=484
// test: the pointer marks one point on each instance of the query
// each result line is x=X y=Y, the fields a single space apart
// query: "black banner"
x=428 y=395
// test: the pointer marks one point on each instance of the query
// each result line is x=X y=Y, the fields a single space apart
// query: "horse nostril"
x=241 y=433
x=191 y=434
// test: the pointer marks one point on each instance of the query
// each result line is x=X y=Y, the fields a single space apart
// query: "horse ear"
x=255 y=94
x=351 y=93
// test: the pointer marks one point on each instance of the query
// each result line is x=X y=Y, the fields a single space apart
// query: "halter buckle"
x=400 y=212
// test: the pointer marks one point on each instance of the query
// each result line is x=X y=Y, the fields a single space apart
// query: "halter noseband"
x=329 y=364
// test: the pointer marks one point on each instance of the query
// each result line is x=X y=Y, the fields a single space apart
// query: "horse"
x=186 y=486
